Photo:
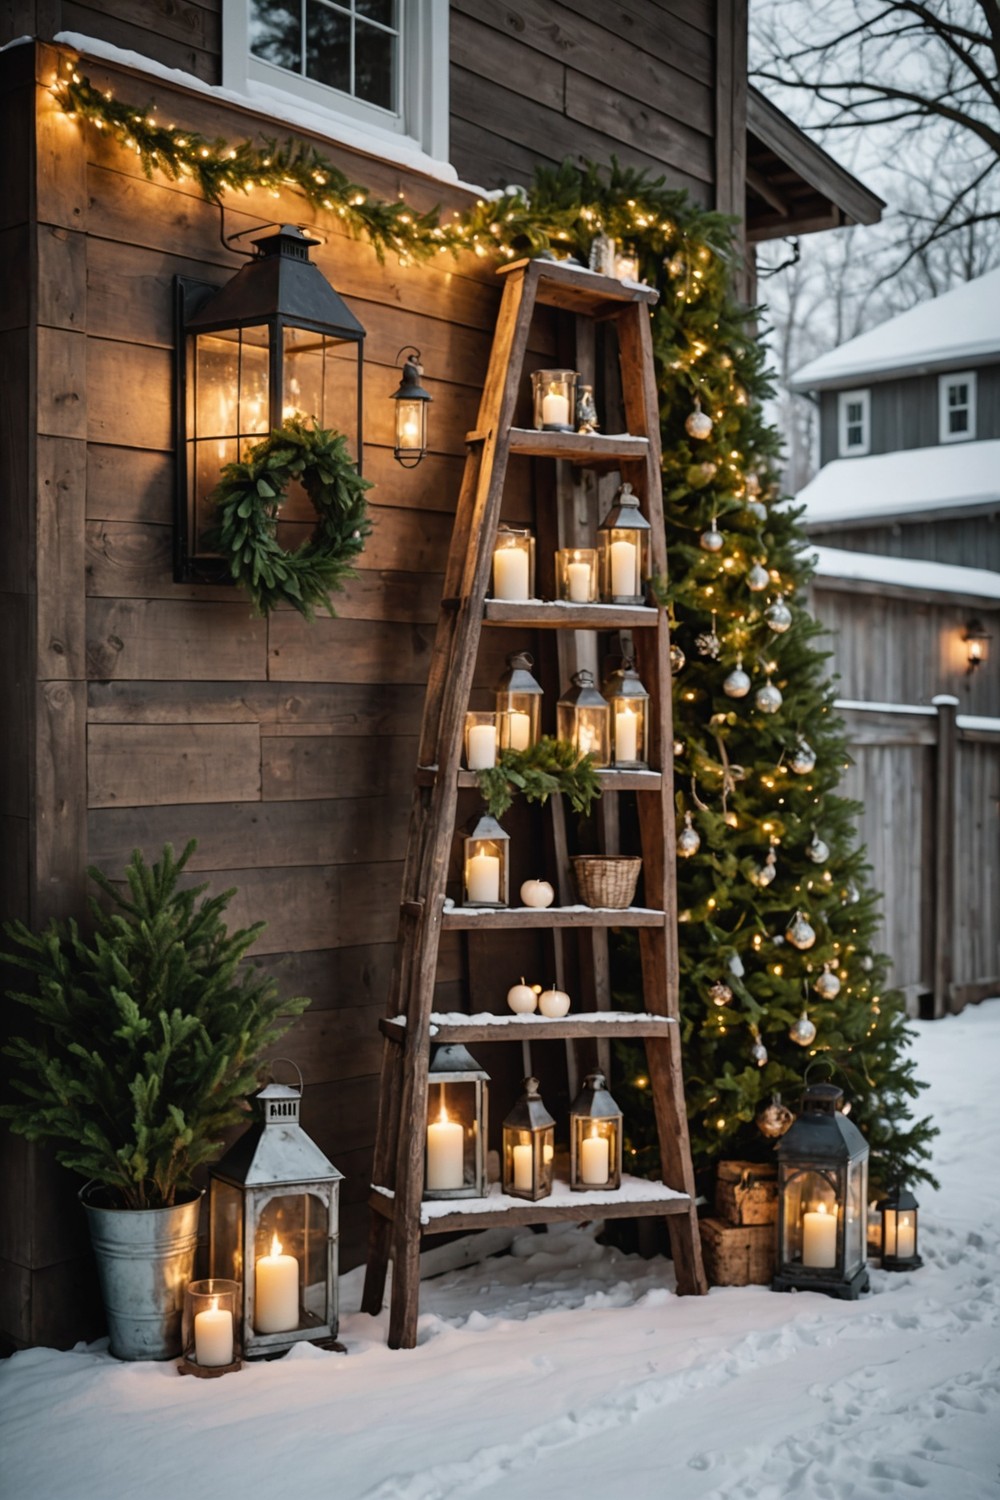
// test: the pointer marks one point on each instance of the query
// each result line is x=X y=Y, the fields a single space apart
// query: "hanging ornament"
x=753 y=484
x=774 y=1119
x=677 y=660
x=799 y=933
x=803 y=1032
x=765 y=873
x=712 y=540
x=868 y=963
x=708 y=643
x=699 y=423
x=827 y=985
x=778 y=616
x=737 y=684
x=768 y=698
x=689 y=839
x=602 y=253
x=817 y=850
x=758 y=1051
x=758 y=579
x=736 y=966
x=719 y=993
x=758 y=511
x=850 y=893
x=803 y=759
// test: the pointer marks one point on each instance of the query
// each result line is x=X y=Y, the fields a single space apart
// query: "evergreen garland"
x=537 y=773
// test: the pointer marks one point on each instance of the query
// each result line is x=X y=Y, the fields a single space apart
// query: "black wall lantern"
x=977 y=643
x=412 y=402
x=276 y=341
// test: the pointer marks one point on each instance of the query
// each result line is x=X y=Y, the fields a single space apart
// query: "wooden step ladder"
x=398 y=1170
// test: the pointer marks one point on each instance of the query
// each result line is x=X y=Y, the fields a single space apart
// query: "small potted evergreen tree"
x=146 y=1039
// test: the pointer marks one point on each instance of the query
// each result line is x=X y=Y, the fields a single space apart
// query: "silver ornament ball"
x=711 y=540
x=689 y=839
x=758 y=579
x=719 y=993
x=699 y=423
x=769 y=698
x=818 y=850
x=803 y=759
x=802 y=1032
x=778 y=616
x=677 y=660
x=800 y=933
x=766 y=872
x=868 y=963
x=737 y=684
x=759 y=1054
x=827 y=985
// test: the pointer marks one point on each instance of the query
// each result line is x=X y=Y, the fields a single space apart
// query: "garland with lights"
x=249 y=498
x=776 y=953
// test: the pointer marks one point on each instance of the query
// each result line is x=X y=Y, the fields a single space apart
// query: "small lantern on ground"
x=519 y=704
x=595 y=1138
x=554 y=400
x=822 y=1200
x=274 y=1203
x=898 y=1212
x=576 y=574
x=623 y=543
x=412 y=402
x=514 y=564
x=457 y=1120
x=485 y=865
x=628 y=701
x=529 y=1145
x=583 y=718
x=211 y=1327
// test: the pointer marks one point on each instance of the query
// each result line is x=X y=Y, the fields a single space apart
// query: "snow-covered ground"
x=564 y=1369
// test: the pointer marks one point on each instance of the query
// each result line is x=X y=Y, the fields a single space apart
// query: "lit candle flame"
x=275 y=1244
x=214 y=1305
x=443 y=1116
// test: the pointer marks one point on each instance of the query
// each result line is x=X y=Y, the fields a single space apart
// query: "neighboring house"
x=139 y=709
x=906 y=511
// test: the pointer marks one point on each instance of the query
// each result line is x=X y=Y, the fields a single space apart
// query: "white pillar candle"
x=510 y=573
x=819 y=1238
x=523 y=1177
x=626 y=734
x=276 y=1300
x=519 y=730
x=213 y=1334
x=578 y=580
x=482 y=747
x=445 y=1154
x=482 y=879
x=594 y=1160
x=555 y=410
x=623 y=579
x=906 y=1238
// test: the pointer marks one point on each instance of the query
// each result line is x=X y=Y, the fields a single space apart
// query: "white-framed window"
x=377 y=65
x=957 y=407
x=854 y=423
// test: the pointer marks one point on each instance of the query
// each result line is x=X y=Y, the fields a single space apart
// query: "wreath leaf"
x=550 y=766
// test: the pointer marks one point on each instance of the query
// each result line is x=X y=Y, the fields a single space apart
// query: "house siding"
x=971 y=543
x=904 y=413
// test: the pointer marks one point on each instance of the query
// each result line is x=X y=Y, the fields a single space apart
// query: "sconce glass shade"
x=485 y=865
x=457 y=1122
x=899 y=1246
x=519 y=704
x=583 y=718
x=623 y=544
x=628 y=701
x=595 y=1138
x=274 y=342
x=529 y=1144
x=977 y=641
x=412 y=402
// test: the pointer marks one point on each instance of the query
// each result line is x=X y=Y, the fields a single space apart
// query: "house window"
x=957 y=407
x=381 y=65
x=854 y=413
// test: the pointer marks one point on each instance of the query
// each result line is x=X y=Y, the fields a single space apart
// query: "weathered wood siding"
x=904 y=412
x=184 y=34
x=968 y=541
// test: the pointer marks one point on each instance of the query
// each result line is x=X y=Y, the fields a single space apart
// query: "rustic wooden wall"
x=905 y=412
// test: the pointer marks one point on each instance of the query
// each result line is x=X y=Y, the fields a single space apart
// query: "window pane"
x=383 y=11
x=854 y=411
x=276 y=33
x=958 y=421
x=373 y=65
x=328 y=46
x=958 y=395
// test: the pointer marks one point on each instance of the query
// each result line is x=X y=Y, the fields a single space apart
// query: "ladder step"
x=516 y=1028
x=593 y=449
x=554 y=614
x=519 y=918
x=564 y=284
x=611 y=780
x=637 y=1198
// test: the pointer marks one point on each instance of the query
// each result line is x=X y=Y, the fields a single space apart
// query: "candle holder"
x=623 y=544
x=554 y=396
x=595 y=1138
x=457 y=1121
x=529 y=1147
x=210 y=1328
x=485 y=866
x=583 y=718
x=518 y=704
x=576 y=574
x=480 y=740
x=514 y=564
x=898 y=1240
x=628 y=701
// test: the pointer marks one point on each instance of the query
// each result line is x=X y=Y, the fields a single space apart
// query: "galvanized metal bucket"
x=145 y=1259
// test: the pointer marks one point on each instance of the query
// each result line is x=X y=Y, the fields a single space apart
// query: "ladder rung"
x=511 y=1028
x=611 y=780
x=571 y=287
x=446 y=1216
x=482 y=919
x=553 y=614
x=591 y=448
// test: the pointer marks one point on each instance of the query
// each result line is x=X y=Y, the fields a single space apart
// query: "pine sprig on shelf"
x=537 y=773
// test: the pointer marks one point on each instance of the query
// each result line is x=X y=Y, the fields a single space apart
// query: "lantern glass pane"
x=554 y=400
x=206 y=462
x=518 y=719
x=528 y=1157
x=226 y=1218
x=320 y=382
x=596 y=1154
x=811 y=1221
x=480 y=740
x=485 y=875
x=454 y=1142
x=587 y=729
x=254 y=385
x=628 y=731
x=576 y=574
x=856 y=1216
x=212 y=1322
x=624 y=566
x=411 y=427
x=514 y=565
x=291 y=1263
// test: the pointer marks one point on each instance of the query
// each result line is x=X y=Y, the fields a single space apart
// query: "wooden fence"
x=929 y=780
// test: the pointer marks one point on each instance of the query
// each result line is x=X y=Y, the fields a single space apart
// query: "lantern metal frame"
x=518 y=692
x=452 y=1064
x=410 y=391
x=584 y=714
x=275 y=1159
x=279 y=290
x=889 y=1208
x=529 y=1124
x=486 y=830
x=595 y=1111
x=627 y=521
x=823 y=1147
x=623 y=689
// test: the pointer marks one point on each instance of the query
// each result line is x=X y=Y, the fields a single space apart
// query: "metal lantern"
x=898 y=1211
x=583 y=718
x=822 y=1200
x=977 y=640
x=576 y=574
x=529 y=1146
x=628 y=701
x=276 y=341
x=554 y=400
x=623 y=543
x=485 y=866
x=457 y=1122
x=595 y=1138
x=519 y=704
x=514 y=564
x=412 y=402
x=274 y=1203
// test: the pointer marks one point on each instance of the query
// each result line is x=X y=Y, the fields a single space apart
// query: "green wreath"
x=249 y=498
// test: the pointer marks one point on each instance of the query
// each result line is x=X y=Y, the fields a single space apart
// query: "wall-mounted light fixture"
x=412 y=402
x=977 y=643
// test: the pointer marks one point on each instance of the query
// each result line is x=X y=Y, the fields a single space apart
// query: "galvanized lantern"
x=485 y=865
x=583 y=718
x=514 y=564
x=276 y=341
x=898 y=1211
x=457 y=1121
x=623 y=543
x=412 y=402
x=628 y=701
x=519 y=704
x=529 y=1146
x=274 y=1219
x=822 y=1200
x=595 y=1138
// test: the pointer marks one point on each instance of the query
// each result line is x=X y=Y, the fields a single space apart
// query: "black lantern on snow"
x=898 y=1211
x=275 y=342
x=529 y=1146
x=595 y=1138
x=822 y=1200
x=412 y=402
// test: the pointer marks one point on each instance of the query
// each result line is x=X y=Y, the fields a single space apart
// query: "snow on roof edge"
x=907 y=573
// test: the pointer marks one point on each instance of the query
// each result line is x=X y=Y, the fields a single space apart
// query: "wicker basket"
x=607 y=880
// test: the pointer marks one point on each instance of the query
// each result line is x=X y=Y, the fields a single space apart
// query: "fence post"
x=944 y=852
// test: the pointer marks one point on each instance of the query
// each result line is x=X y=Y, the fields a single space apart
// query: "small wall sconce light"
x=412 y=402
x=977 y=641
